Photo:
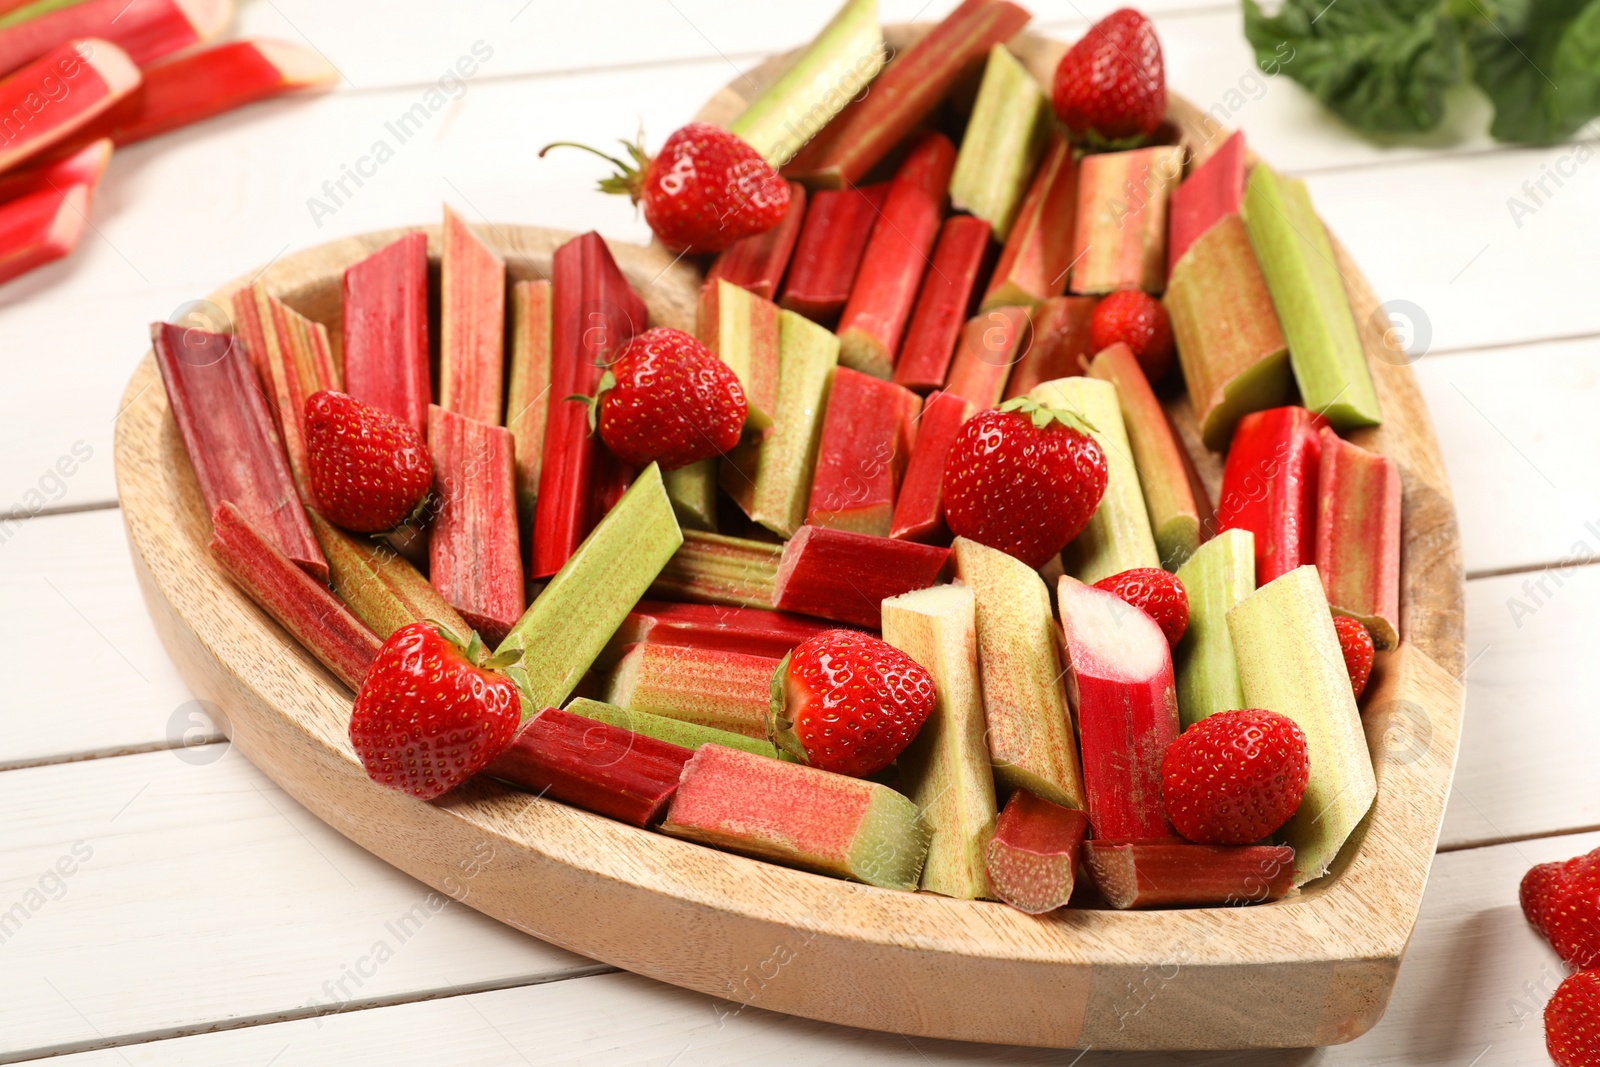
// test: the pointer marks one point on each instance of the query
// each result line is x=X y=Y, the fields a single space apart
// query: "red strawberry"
x=1111 y=86
x=1234 y=777
x=1572 y=915
x=1572 y=1021
x=668 y=400
x=703 y=191
x=1537 y=891
x=431 y=714
x=848 y=702
x=1139 y=321
x=1156 y=592
x=1024 y=479
x=1356 y=644
x=369 y=470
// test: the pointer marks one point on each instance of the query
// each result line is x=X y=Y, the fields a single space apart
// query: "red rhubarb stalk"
x=612 y=477
x=880 y=302
x=990 y=346
x=472 y=315
x=236 y=453
x=293 y=354
x=528 y=392
x=59 y=93
x=386 y=361
x=867 y=437
x=757 y=262
x=844 y=576
x=596 y=312
x=828 y=253
x=301 y=604
x=919 y=509
x=145 y=29
x=1212 y=191
x=1269 y=487
x=1033 y=265
x=1060 y=344
x=750 y=631
x=41 y=227
x=474 y=554
x=943 y=304
x=81 y=166
x=1120 y=237
x=1122 y=690
x=1358 y=535
x=1032 y=854
x=1172 y=873
x=586 y=763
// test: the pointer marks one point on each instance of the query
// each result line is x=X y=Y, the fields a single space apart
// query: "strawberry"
x=1111 y=87
x=1356 y=644
x=703 y=191
x=1234 y=777
x=1572 y=1021
x=1537 y=891
x=431 y=713
x=1024 y=479
x=1572 y=912
x=369 y=470
x=1157 y=593
x=668 y=400
x=849 y=703
x=1139 y=321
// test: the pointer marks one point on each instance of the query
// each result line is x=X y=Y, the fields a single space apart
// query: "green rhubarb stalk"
x=1118 y=537
x=1007 y=134
x=742 y=330
x=1120 y=235
x=827 y=75
x=689 y=735
x=711 y=568
x=693 y=492
x=378 y=584
x=1330 y=364
x=725 y=690
x=566 y=628
x=528 y=395
x=1220 y=574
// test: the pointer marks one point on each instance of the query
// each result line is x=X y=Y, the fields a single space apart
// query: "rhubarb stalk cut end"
x=1031 y=858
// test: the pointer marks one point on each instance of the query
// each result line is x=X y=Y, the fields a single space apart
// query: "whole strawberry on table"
x=891 y=565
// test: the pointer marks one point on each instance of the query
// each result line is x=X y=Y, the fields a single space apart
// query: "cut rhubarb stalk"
x=799 y=816
x=611 y=480
x=1358 y=536
x=82 y=166
x=945 y=770
x=919 y=509
x=1125 y=704
x=770 y=478
x=1269 y=487
x=1006 y=136
x=693 y=491
x=943 y=303
x=1330 y=364
x=727 y=629
x=298 y=359
x=727 y=690
x=1033 y=854
x=1212 y=192
x=1218 y=576
x=568 y=625
x=742 y=330
x=592 y=765
x=300 y=604
x=146 y=29
x=713 y=568
x=472 y=315
x=867 y=437
x=1019 y=662
x=475 y=557
x=1034 y=263
x=42 y=227
x=379 y=585
x=1174 y=873
x=688 y=735
x=1060 y=344
x=828 y=254
x=60 y=93
x=1175 y=515
x=1289 y=661
x=906 y=93
x=386 y=362
x=757 y=262
x=1118 y=536
x=596 y=313
x=990 y=346
x=1231 y=347
x=835 y=67
x=896 y=257
x=528 y=392
x=228 y=433
x=1120 y=238
x=843 y=576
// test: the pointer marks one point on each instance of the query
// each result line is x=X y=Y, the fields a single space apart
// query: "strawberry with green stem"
x=668 y=400
x=1110 y=89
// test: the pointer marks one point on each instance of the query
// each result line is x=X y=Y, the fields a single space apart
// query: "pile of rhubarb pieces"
x=893 y=567
x=79 y=78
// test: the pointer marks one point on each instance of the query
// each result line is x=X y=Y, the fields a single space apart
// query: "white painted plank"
x=193 y=894
x=1461 y=995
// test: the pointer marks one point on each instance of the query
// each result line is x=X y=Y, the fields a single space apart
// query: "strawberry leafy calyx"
x=629 y=179
x=1042 y=416
x=780 y=726
x=475 y=651
x=608 y=381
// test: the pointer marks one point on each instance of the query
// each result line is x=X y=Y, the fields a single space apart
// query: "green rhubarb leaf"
x=1539 y=61
x=1384 y=66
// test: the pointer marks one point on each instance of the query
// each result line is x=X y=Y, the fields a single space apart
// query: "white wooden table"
x=162 y=902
